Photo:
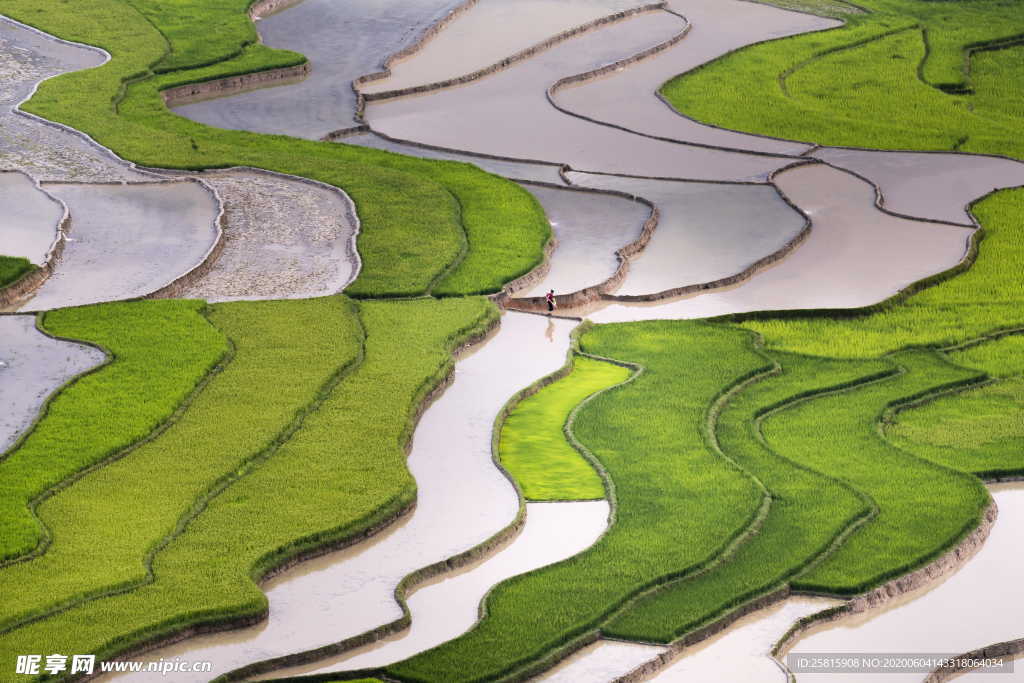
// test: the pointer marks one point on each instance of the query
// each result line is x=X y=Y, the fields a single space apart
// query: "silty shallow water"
x=627 y=97
x=854 y=256
x=508 y=114
x=601 y=662
x=29 y=218
x=589 y=227
x=928 y=185
x=462 y=500
x=977 y=605
x=127 y=241
x=490 y=31
x=32 y=367
x=706 y=231
x=449 y=606
x=342 y=40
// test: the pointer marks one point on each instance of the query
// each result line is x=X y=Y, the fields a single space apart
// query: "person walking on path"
x=550 y=299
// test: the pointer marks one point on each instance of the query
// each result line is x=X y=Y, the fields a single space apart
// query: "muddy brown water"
x=462 y=500
x=450 y=605
x=600 y=662
x=29 y=220
x=626 y=98
x=928 y=185
x=589 y=228
x=508 y=114
x=490 y=31
x=32 y=367
x=977 y=605
x=705 y=232
x=854 y=256
x=127 y=241
x=342 y=40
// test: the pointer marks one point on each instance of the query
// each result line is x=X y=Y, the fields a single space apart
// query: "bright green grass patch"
x=678 y=504
x=161 y=350
x=103 y=529
x=533 y=447
x=340 y=474
x=836 y=82
x=989 y=296
x=808 y=512
x=923 y=509
x=12 y=268
x=426 y=225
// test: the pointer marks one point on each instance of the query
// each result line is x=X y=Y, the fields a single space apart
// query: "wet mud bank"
x=284 y=237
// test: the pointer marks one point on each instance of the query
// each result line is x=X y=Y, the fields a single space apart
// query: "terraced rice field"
x=587 y=340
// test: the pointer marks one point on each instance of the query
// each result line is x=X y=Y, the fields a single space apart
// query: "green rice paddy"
x=533 y=446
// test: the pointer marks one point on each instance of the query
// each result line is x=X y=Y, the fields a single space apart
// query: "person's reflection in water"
x=550 y=331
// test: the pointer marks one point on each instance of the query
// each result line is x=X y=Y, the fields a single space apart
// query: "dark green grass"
x=105 y=524
x=340 y=474
x=533 y=447
x=935 y=95
x=923 y=509
x=427 y=225
x=989 y=296
x=12 y=268
x=808 y=512
x=161 y=350
x=678 y=505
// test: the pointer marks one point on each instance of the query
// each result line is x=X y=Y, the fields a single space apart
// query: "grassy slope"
x=416 y=214
x=839 y=80
x=340 y=474
x=12 y=268
x=678 y=504
x=533 y=447
x=161 y=350
x=103 y=529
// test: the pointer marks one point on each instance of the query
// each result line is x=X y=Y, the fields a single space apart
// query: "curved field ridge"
x=33 y=367
x=242 y=415
x=341 y=474
x=160 y=350
x=663 y=526
x=532 y=446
